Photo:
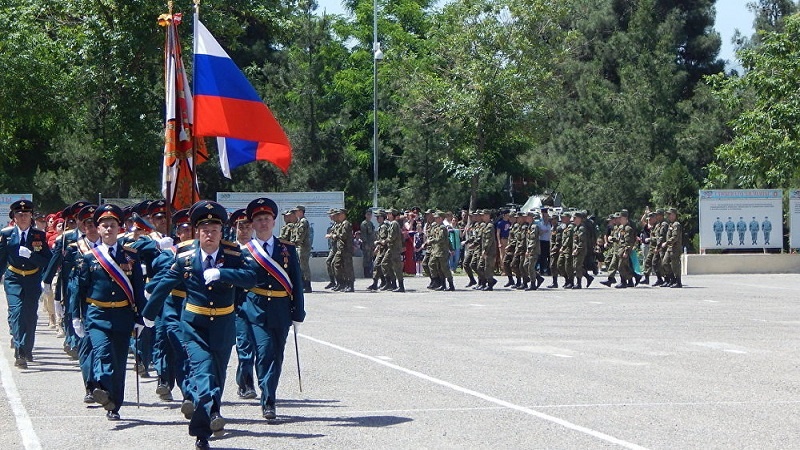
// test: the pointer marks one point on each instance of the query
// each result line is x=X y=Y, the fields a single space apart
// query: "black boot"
x=510 y=282
x=331 y=284
x=524 y=285
x=578 y=284
x=519 y=283
x=399 y=288
x=659 y=281
x=555 y=283
x=568 y=283
x=472 y=281
x=611 y=280
x=348 y=287
x=677 y=283
x=442 y=285
x=539 y=280
x=387 y=285
x=646 y=279
x=589 y=280
x=374 y=285
x=450 y=286
x=436 y=283
x=534 y=284
x=623 y=283
x=307 y=286
x=382 y=285
x=638 y=279
x=431 y=284
x=667 y=281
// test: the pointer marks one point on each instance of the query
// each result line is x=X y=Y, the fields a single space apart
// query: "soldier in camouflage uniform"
x=555 y=246
x=380 y=252
x=580 y=247
x=368 y=236
x=626 y=245
x=613 y=240
x=532 y=251
x=439 y=249
x=673 y=250
x=343 y=260
x=520 y=247
x=511 y=245
x=331 y=249
x=488 y=252
x=566 y=264
x=650 y=241
x=469 y=244
x=393 y=263
x=302 y=242
x=288 y=228
x=659 y=237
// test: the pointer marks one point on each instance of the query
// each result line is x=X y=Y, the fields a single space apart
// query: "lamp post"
x=377 y=55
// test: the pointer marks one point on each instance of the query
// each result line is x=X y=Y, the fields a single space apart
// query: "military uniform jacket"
x=302 y=236
x=287 y=232
x=58 y=262
x=489 y=240
x=276 y=311
x=395 y=238
x=344 y=238
x=532 y=245
x=580 y=242
x=567 y=239
x=555 y=239
x=513 y=237
x=520 y=239
x=675 y=237
x=187 y=270
x=382 y=237
x=627 y=238
x=439 y=240
x=35 y=241
x=75 y=253
x=96 y=285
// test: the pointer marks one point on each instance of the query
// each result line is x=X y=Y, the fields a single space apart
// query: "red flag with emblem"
x=182 y=150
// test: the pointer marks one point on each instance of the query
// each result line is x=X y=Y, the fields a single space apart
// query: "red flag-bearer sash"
x=115 y=272
x=269 y=264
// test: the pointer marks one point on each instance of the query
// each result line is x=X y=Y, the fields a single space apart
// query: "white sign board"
x=794 y=218
x=317 y=205
x=5 y=204
x=741 y=218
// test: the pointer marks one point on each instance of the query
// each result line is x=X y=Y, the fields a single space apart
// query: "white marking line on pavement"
x=29 y=438
x=670 y=404
x=384 y=358
x=596 y=303
x=711 y=301
x=561 y=355
x=497 y=401
x=360 y=307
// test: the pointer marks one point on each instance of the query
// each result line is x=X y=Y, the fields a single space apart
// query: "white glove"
x=24 y=252
x=296 y=326
x=211 y=275
x=148 y=323
x=47 y=288
x=138 y=328
x=77 y=325
x=165 y=243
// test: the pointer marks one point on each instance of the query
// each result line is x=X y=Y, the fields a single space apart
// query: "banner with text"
x=7 y=199
x=741 y=218
x=316 y=204
x=794 y=218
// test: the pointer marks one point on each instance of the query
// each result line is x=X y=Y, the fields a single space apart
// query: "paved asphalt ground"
x=713 y=365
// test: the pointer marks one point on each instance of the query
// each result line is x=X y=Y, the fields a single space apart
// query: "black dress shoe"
x=112 y=416
x=201 y=444
x=269 y=412
x=217 y=422
x=101 y=396
x=187 y=409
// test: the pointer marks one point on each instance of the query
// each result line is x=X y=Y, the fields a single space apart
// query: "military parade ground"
x=713 y=365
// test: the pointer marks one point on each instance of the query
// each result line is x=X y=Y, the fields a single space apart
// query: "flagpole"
x=168 y=196
x=195 y=24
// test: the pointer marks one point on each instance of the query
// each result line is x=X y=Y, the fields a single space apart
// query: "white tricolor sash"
x=269 y=264
x=115 y=272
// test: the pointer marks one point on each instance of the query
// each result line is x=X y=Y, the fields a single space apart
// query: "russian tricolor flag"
x=227 y=106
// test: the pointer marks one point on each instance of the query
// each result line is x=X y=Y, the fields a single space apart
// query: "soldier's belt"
x=211 y=312
x=100 y=304
x=24 y=273
x=177 y=293
x=268 y=293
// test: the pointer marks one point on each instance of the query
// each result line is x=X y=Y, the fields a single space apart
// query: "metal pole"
x=375 y=103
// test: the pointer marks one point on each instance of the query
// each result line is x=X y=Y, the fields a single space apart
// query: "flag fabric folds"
x=182 y=150
x=229 y=108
